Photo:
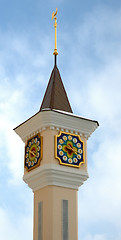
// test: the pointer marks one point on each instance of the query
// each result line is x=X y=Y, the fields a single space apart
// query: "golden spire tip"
x=55 y=26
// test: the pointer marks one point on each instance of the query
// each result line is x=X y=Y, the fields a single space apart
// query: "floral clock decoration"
x=69 y=149
x=33 y=152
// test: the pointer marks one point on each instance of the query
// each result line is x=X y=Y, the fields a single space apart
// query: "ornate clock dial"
x=33 y=152
x=69 y=149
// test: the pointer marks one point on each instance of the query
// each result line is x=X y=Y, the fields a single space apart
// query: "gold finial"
x=55 y=25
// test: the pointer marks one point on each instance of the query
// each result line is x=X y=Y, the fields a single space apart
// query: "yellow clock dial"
x=33 y=152
x=69 y=149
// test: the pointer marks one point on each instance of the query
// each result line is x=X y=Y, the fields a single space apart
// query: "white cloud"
x=19 y=227
x=99 y=92
x=97 y=65
x=18 y=93
x=95 y=237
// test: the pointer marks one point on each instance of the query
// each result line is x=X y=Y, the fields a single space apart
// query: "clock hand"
x=32 y=152
x=69 y=147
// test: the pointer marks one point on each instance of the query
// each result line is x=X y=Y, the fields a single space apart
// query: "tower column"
x=55 y=214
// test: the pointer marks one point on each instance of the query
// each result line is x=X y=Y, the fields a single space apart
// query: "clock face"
x=69 y=149
x=33 y=152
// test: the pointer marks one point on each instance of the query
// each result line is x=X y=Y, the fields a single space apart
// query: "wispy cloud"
x=16 y=229
x=100 y=86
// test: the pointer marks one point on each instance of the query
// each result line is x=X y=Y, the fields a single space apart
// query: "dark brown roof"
x=55 y=96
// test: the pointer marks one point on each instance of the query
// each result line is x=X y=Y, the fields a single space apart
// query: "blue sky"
x=89 y=60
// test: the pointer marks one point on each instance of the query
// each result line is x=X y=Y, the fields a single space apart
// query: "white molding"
x=51 y=174
x=56 y=120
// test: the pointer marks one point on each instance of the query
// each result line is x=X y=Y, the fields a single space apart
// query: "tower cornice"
x=55 y=119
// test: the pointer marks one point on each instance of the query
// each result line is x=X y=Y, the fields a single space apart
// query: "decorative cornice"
x=58 y=120
x=51 y=174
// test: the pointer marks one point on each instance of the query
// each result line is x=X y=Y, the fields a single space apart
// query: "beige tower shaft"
x=55 y=214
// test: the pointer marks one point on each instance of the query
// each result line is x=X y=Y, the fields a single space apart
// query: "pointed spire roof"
x=55 y=95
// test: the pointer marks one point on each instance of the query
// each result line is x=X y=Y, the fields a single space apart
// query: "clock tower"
x=55 y=161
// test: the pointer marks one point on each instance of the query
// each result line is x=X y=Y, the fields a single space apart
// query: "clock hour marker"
x=64 y=158
x=70 y=137
x=61 y=153
x=29 y=163
x=64 y=138
x=78 y=145
x=59 y=147
x=27 y=149
x=79 y=156
x=38 y=148
x=75 y=160
x=70 y=160
x=61 y=141
x=80 y=151
x=74 y=140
